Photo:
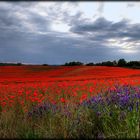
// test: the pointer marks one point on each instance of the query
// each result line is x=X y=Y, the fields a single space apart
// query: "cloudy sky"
x=59 y=32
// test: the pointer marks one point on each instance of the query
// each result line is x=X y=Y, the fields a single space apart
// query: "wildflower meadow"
x=69 y=102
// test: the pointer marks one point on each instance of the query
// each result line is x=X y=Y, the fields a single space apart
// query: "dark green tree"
x=122 y=62
x=73 y=63
x=90 y=64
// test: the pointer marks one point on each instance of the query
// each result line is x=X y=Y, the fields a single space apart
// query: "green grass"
x=83 y=122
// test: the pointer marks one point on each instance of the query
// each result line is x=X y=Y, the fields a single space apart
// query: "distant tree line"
x=73 y=63
x=11 y=64
x=120 y=63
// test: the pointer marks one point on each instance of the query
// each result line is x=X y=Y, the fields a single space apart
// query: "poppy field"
x=69 y=102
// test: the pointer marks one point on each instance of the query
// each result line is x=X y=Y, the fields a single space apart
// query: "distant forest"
x=120 y=63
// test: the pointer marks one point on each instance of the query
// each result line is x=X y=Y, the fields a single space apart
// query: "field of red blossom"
x=24 y=87
x=36 y=84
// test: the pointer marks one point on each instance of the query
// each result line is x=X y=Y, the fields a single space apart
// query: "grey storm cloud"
x=102 y=30
x=17 y=16
x=26 y=36
x=73 y=19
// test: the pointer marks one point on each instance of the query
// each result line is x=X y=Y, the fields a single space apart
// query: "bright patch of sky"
x=60 y=27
